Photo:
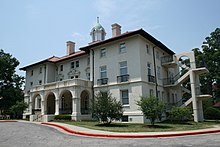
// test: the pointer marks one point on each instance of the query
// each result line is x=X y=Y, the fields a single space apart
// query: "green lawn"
x=131 y=127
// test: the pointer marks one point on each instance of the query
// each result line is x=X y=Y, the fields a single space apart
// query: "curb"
x=8 y=121
x=130 y=136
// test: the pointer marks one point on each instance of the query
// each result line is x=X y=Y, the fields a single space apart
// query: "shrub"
x=63 y=117
x=212 y=113
x=152 y=108
x=180 y=114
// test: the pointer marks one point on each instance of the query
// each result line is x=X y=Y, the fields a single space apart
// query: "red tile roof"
x=55 y=59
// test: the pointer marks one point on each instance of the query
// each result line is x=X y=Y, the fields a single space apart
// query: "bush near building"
x=106 y=108
x=180 y=114
x=212 y=113
x=63 y=117
x=152 y=108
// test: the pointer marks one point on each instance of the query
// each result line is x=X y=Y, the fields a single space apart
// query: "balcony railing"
x=61 y=84
x=166 y=59
x=123 y=78
x=151 y=79
x=102 y=81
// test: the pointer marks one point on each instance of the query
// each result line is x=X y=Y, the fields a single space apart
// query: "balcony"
x=151 y=79
x=167 y=61
x=102 y=81
x=123 y=78
x=62 y=84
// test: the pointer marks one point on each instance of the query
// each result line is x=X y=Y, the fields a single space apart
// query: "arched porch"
x=65 y=102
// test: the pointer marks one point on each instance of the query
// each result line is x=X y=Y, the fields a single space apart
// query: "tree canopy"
x=10 y=82
x=106 y=108
x=210 y=55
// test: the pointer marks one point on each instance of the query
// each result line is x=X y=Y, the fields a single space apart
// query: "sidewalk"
x=97 y=133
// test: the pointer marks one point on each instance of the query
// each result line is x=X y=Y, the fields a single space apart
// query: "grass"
x=135 y=127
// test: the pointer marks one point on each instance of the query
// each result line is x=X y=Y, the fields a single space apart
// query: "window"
x=32 y=72
x=122 y=48
x=158 y=72
x=157 y=55
x=124 y=97
x=88 y=61
x=77 y=63
x=148 y=68
x=76 y=77
x=72 y=64
x=103 y=72
x=123 y=68
x=147 y=49
x=61 y=67
x=88 y=75
x=39 y=103
x=151 y=92
x=40 y=82
x=40 y=71
x=103 y=53
x=31 y=83
x=158 y=95
x=124 y=118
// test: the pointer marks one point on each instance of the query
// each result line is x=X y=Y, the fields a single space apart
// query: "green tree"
x=210 y=55
x=10 y=83
x=18 y=109
x=152 y=108
x=106 y=108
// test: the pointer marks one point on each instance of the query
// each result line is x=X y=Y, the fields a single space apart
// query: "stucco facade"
x=129 y=65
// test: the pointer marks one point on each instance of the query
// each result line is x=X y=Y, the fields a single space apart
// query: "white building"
x=129 y=65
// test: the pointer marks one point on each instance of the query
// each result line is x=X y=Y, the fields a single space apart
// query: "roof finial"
x=97 y=19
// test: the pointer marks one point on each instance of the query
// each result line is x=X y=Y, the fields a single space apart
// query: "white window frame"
x=103 y=52
x=123 y=67
x=122 y=48
x=103 y=70
x=124 y=97
x=149 y=71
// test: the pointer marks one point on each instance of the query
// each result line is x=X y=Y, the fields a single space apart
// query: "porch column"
x=30 y=107
x=193 y=93
x=42 y=106
x=75 y=106
x=57 y=111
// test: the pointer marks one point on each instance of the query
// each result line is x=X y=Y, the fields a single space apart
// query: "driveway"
x=18 y=134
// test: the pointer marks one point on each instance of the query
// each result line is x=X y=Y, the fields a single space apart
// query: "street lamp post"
x=214 y=88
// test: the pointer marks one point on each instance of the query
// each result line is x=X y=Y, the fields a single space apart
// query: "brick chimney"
x=70 y=47
x=116 y=30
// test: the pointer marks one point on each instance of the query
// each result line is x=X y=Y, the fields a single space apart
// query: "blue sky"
x=32 y=30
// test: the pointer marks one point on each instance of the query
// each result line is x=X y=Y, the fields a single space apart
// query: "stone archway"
x=65 y=102
x=36 y=104
x=84 y=102
x=50 y=103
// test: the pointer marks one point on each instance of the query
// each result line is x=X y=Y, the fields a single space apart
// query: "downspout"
x=155 y=71
x=45 y=74
x=93 y=77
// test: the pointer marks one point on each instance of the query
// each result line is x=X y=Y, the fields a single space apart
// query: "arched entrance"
x=84 y=101
x=65 y=102
x=51 y=103
x=36 y=104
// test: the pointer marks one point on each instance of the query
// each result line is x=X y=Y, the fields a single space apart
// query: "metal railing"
x=151 y=79
x=123 y=78
x=166 y=59
x=102 y=81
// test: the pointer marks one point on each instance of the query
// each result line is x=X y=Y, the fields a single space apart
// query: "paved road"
x=17 y=134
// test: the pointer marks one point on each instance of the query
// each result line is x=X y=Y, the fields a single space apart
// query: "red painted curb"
x=129 y=136
x=8 y=121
